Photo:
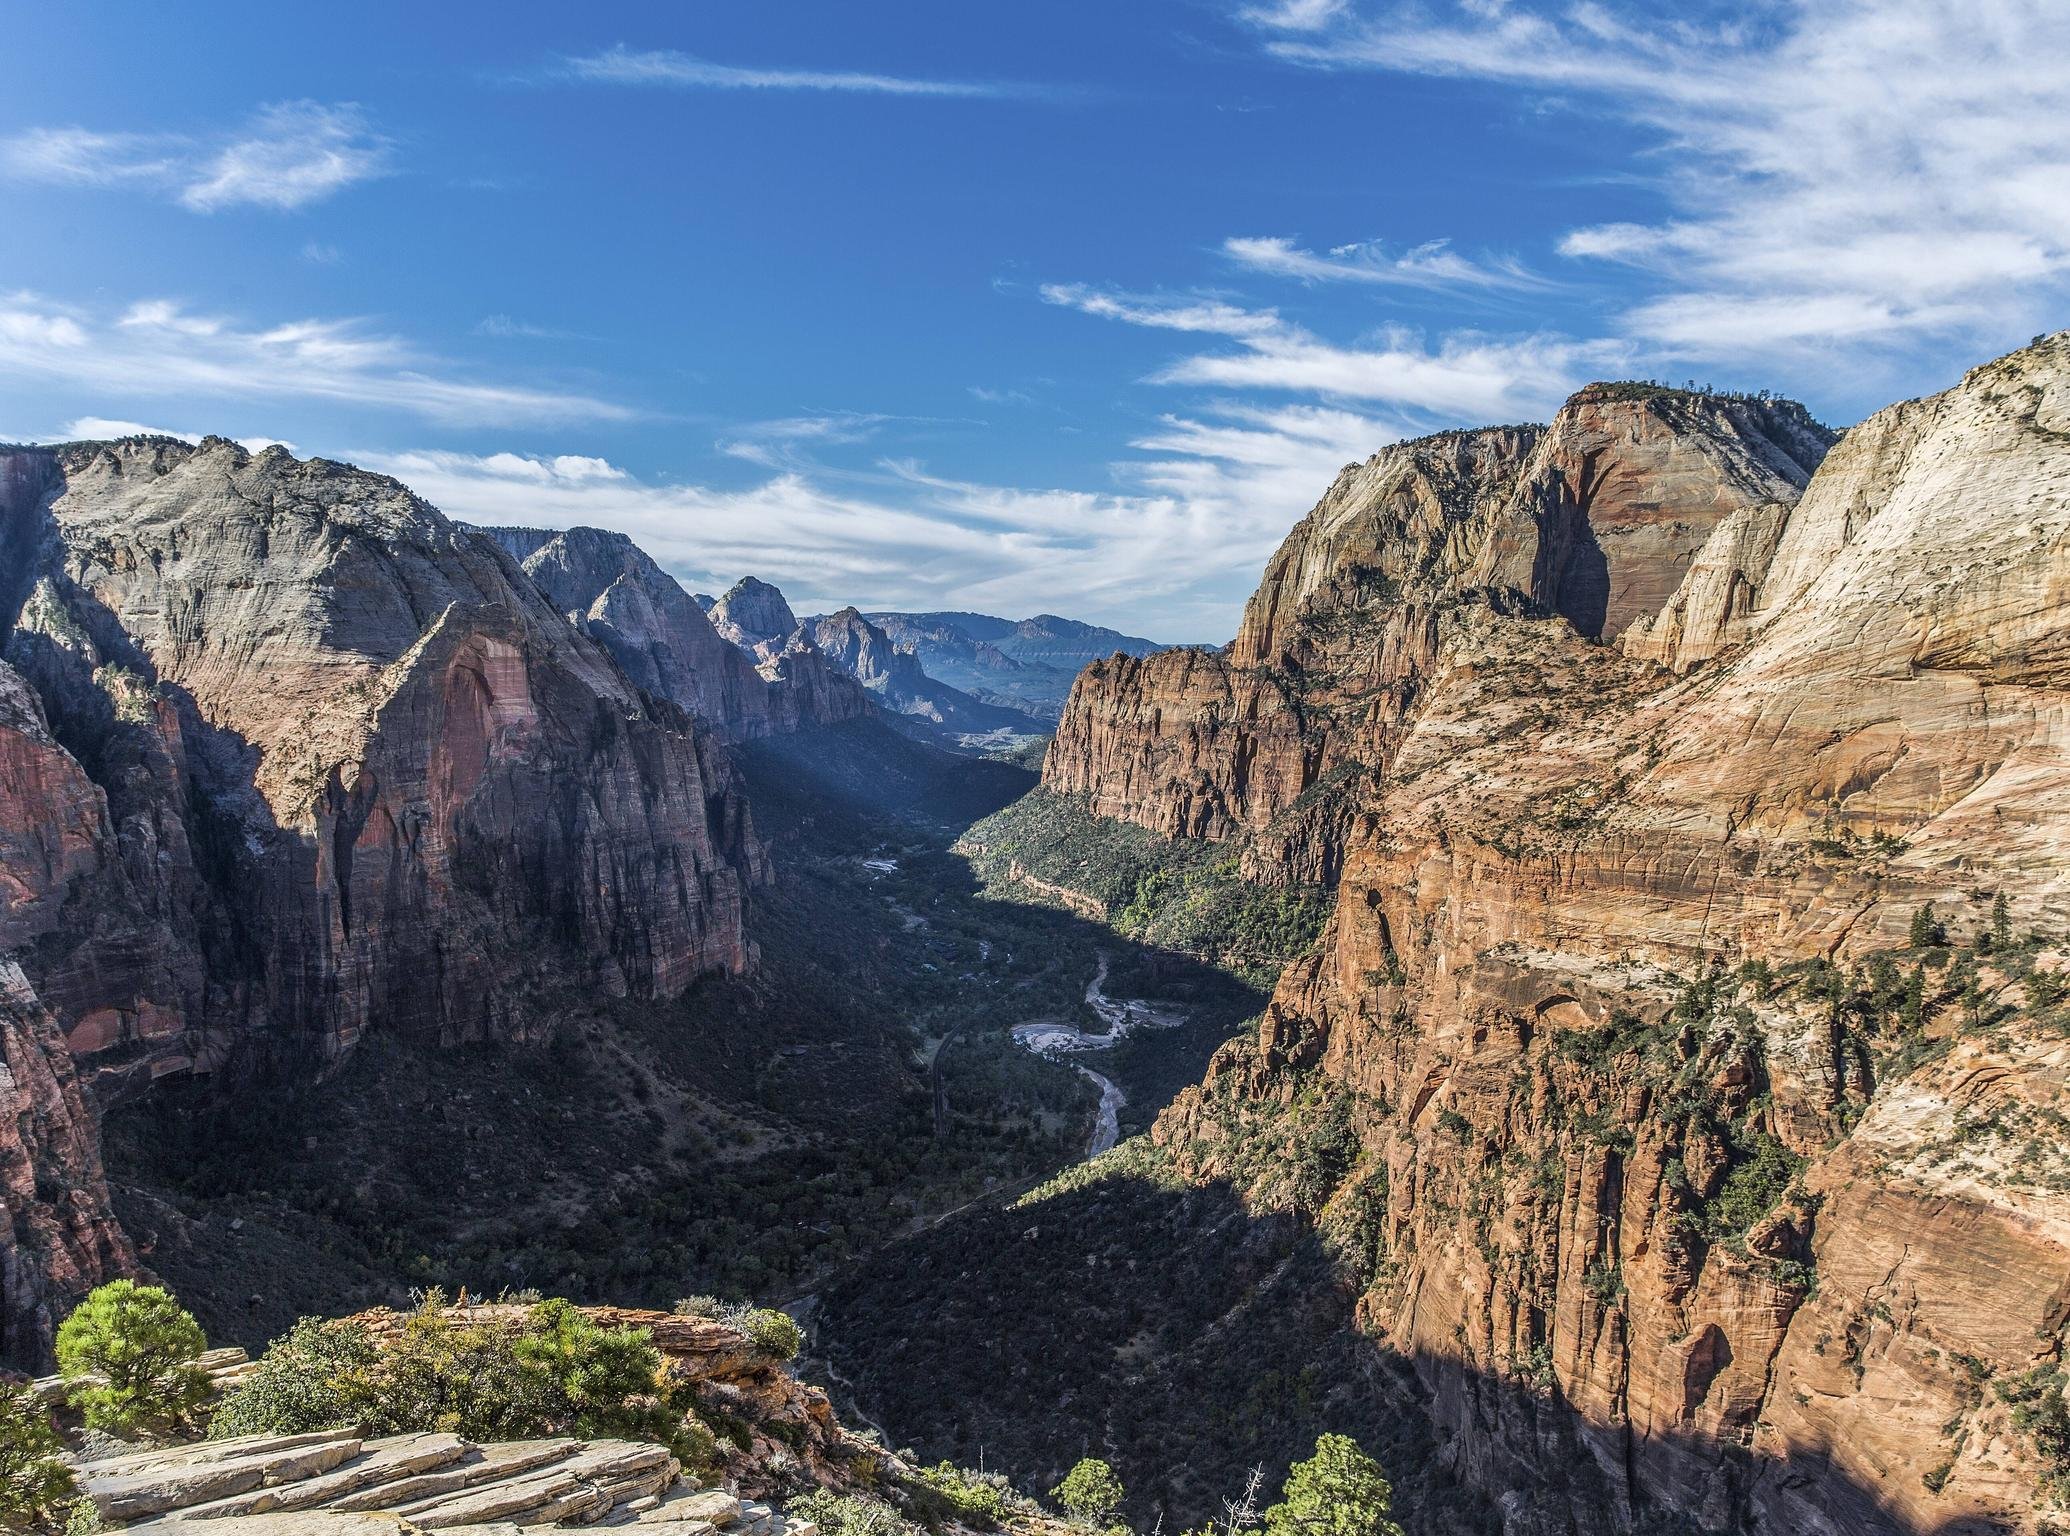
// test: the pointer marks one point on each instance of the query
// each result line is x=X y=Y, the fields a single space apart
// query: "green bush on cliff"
x=1090 y=1492
x=1339 y=1491
x=33 y=1482
x=316 y=1376
x=1761 y=1175
x=773 y=1334
x=558 y=1372
x=948 y=1493
x=127 y=1355
x=849 y=1514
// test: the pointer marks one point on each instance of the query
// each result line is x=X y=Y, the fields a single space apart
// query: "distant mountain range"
x=1024 y=664
x=754 y=616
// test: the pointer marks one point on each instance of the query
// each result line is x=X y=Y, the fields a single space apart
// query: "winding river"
x=1123 y=1017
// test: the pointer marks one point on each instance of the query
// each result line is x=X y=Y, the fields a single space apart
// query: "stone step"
x=155 y=1489
x=711 y=1506
x=483 y=1464
x=381 y=1463
x=567 y=1490
x=204 y=1451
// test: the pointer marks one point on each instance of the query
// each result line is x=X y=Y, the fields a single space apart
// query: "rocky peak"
x=423 y=791
x=1590 y=522
x=754 y=616
x=865 y=652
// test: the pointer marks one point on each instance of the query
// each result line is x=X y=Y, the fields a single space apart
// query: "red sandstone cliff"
x=1556 y=857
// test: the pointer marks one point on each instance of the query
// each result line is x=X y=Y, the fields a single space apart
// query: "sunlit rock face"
x=1798 y=698
x=1596 y=518
x=361 y=773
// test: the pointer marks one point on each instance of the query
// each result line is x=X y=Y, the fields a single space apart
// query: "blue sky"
x=1071 y=307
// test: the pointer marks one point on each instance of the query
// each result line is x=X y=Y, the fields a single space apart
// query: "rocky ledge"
x=338 y=1482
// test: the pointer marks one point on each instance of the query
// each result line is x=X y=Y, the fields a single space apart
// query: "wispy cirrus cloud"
x=669 y=69
x=1432 y=265
x=1466 y=376
x=1865 y=174
x=287 y=156
x=158 y=349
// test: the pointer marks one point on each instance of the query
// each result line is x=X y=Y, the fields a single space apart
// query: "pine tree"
x=1926 y=929
x=127 y=1356
x=1339 y=1491
x=1090 y=1492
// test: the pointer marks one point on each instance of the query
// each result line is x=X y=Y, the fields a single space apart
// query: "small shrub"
x=33 y=1482
x=946 y=1492
x=127 y=1356
x=775 y=1336
x=316 y=1376
x=1090 y=1492
x=710 y=1308
x=849 y=1514
x=1339 y=1491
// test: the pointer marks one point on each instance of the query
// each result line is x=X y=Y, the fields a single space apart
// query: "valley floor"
x=754 y=1139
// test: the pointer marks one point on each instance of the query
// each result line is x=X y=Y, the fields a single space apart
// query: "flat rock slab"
x=585 y=1484
x=712 y=1506
x=299 y=1522
x=160 y=1489
x=380 y=1463
x=206 y=1451
x=484 y=1464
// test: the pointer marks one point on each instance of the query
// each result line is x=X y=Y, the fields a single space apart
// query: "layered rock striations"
x=1595 y=518
x=663 y=640
x=360 y=770
x=1698 y=1176
x=62 y=1238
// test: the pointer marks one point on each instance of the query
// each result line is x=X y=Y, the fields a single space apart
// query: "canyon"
x=1646 y=830
x=1634 y=747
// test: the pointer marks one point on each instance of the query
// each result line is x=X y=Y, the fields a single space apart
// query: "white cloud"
x=664 y=67
x=289 y=155
x=1183 y=537
x=1431 y=265
x=295 y=153
x=1466 y=377
x=1295 y=15
x=1210 y=317
x=80 y=157
x=157 y=349
x=100 y=428
x=1867 y=174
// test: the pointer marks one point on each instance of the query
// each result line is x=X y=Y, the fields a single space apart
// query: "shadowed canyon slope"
x=1635 y=745
x=298 y=758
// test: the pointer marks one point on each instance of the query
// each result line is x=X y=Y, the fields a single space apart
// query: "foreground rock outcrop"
x=1697 y=1173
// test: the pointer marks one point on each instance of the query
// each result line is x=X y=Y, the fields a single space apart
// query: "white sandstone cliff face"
x=663 y=641
x=420 y=792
